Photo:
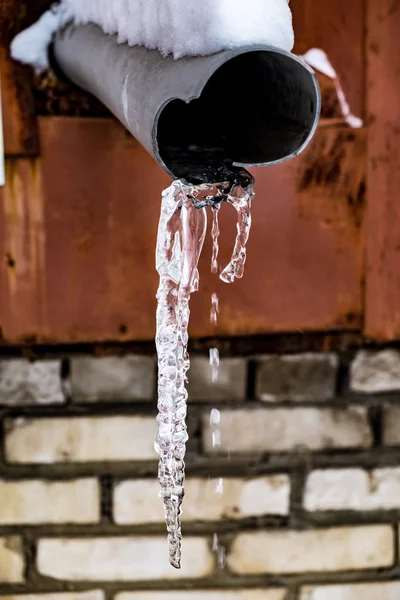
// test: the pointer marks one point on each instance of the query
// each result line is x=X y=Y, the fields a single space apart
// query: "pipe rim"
x=219 y=60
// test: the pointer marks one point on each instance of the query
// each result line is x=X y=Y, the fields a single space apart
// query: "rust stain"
x=20 y=130
x=23 y=242
x=11 y=216
x=335 y=178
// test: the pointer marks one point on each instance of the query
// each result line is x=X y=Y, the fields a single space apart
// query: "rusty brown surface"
x=383 y=215
x=78 y=225
x=337 y=27
x=304 y=266
x=20 y=131
x=19 y=118
x=78 y=231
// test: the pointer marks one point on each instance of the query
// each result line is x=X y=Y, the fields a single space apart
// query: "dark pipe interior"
x=259 y=107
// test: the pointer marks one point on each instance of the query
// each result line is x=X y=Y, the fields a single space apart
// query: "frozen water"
x=181 y=234
x=241 y=200
x=178 y=27
x=318 y=60
x=180 y=240
x=215 y=238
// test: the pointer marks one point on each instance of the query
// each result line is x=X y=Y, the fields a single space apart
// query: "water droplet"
x=219 y=487
x=214 y=363
x=215 y=417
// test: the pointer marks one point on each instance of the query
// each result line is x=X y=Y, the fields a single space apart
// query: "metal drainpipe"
x=250 y=106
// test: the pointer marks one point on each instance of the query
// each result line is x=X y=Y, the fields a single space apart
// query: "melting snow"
x=318 y=60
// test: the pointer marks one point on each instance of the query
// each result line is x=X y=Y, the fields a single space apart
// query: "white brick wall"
x=335 y=549
x=230 y=386
x=297 y=377
x=61 y=474
x=12 y=563
x=114 y=378
x=366 y=591
x=79 y=439
x=23 y=382
x=280 y=430
x=375 y=372
x=353 y=489
x=391 y=425
x=121 y=559
x=35 y=502
x=229 y=594
x=91 y=595
x=138 y=501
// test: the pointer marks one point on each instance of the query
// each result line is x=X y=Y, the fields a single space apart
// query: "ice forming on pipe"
x=202 y=117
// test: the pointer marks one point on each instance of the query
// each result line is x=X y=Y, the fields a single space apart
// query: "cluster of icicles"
x=181 y=234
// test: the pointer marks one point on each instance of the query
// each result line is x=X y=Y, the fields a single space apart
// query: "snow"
x=178 y=27
x=318 y=60
x=31 y=46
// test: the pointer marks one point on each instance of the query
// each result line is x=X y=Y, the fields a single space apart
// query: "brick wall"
x=309 y=506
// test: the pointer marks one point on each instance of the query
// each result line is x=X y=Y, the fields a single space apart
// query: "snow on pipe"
x=250 y=106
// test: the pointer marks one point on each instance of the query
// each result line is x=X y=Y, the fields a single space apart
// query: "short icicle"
x=241 y=201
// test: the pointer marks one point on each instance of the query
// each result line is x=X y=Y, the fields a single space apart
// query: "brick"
x=116 y=378
x=297 y=377
x=280 y=430
x=34 y=502
x=91 y=595
x=230 y=385
x=137 y=502
x=121 y=559
x=23 y=382
x=391 y=425
x=232 y=594
x=353 y=489
x=336 y=549
x=374 y=372
x=12 y=564
x=362 y=591
x=79 y=439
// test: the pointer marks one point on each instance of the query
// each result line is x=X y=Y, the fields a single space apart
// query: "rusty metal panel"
x=337 y=27
x=304 y=266
x=383 y=215
x=20 y=131
x=78 y=232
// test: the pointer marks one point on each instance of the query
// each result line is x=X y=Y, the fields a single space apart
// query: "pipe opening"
x=259 y=107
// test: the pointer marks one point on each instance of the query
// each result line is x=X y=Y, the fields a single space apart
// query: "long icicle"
x=181 y=234
x=180 y=241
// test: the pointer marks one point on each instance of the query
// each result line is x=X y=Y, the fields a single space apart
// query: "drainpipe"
x=251 y=106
